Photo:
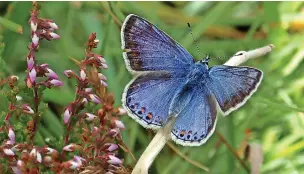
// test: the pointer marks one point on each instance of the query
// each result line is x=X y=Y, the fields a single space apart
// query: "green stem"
x=243 y=163
x=36 y=116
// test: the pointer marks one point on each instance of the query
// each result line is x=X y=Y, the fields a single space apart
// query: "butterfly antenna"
x=194 y=39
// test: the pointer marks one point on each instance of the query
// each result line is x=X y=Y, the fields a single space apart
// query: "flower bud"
x=35 y=40
x=121 y=111
x=34 y=26
x=11 y=136
x=51 y=74
x=69 y=148
x=103 y=65
x=54 y=35
x=55 y=82
x=94 y=98
x=114 y=160
x=90 y=116
x=101 y=76
x=27 y=109
x=67 y=115
x=88 y=90
x=111 y=147
x=8 y=152
x=30 y=62
x=82 y=75
x=32 y=75
x=53 y=25
x=36 y=155
x=68 y=73
x=119 y=124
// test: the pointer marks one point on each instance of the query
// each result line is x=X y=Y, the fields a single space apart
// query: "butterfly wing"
x=232 y=86
x=147 y=48
x=195 y=109
x=148 y=96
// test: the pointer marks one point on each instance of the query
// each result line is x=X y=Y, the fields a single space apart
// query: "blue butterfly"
x=169 y=83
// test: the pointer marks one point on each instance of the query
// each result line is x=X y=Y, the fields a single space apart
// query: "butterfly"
x=169 y=83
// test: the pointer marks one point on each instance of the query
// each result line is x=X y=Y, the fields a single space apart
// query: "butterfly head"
x=205 y=60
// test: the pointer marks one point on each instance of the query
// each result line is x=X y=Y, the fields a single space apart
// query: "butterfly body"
x=198 y=73
x=169 y=83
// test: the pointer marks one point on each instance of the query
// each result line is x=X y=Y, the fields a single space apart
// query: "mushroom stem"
x=163 y=135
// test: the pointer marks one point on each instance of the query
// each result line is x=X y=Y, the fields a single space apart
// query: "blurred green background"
x=274 y=114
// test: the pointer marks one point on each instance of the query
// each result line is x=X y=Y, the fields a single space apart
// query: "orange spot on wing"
x=182 y=132
x=143 y=109
x=150 y=115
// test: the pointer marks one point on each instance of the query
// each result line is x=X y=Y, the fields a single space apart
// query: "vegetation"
x=273 y=117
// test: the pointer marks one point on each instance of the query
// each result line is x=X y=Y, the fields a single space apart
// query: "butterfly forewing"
x=147 y=48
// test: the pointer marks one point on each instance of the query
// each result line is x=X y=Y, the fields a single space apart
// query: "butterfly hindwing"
x=232 y=86
x=147 y=48
x=148 y=96
x=195 y=109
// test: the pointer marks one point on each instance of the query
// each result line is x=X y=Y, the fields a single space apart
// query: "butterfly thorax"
x=198 y=73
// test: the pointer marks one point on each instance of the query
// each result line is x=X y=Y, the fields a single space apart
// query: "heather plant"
x=265 y=135
x=92 y=137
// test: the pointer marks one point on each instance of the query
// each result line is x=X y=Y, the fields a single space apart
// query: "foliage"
x=92 y=127
x=273 y=117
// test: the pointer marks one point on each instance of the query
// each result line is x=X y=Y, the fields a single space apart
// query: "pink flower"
x=103 y=65
x=20 y=163
x=30 y=62
x=79 y=159
x=90 y=116
x=111 y=147
x=101 y=59
x=50 y=151
x=54 y=35
x=27 y=109
x=45 y=65
x=82 y=75
x=56 y=82
x=74 y=164
x=8 y=152
x=34 y=26
x=121 y=111
x=16 y=170
x=35 y=40
x=67 y=115
x=119 y=124
x=35 y=154
x=69 y=148
x=114 y=132
x=11 y=136
x=114 y=160
x=94 y=98
x=53 y=25
x=32 y=75
x=103 y=83
x=51 y=74
x=88 y=90
x=68 y=73
x=101 y=76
